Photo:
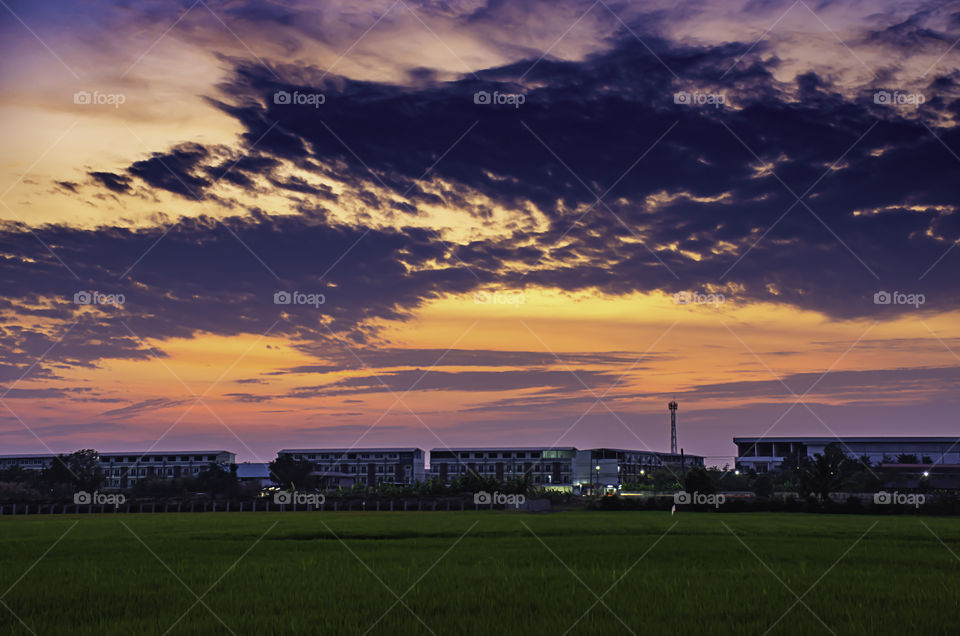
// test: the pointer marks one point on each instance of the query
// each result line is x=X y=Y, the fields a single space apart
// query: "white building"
x=123 y=470
x=344 y=467
x=27 y=462
x=763 y=454
x=543 y=466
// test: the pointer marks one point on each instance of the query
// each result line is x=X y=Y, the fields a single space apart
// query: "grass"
x=486 y=573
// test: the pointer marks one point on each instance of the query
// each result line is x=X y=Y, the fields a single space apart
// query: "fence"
x=264 y=505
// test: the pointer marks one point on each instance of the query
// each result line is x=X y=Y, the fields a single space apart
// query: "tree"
x=698 y=480
x=763 y=485
x=215 y=480
x=81 y=469
x=289 y=472
x=821 y=474
x=665 y=480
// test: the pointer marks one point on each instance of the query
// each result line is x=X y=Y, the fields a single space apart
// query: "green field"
x=486 y=573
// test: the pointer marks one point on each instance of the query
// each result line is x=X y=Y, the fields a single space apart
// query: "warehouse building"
x=764 y=454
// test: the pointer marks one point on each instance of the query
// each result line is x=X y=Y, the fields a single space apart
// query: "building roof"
x=32 y=456
x=627 y=450
x=474 y=449
x=886 y=438
x=119 y=453
x=301 y=451
x=252 y=470
x=165 y=452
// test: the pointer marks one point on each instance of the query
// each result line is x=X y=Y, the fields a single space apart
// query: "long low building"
x=345 y=467
x=26 y=461
x=764 y=454
x=122 y=470
x=563 y=468
x=543 y=466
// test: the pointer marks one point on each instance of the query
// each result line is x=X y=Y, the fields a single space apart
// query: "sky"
x=262 y=225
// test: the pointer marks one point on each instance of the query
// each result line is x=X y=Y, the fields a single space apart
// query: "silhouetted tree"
x=698 y=480
x=290 y=472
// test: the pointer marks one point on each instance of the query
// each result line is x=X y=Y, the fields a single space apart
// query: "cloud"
x=144 y=406
x=114 y=182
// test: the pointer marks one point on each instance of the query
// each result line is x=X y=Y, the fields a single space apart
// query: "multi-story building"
x=613 y=467
x=608 y=469
x=543 y=466
x=344 y=467
x=37 y=461
x=763 y=454
x=123 y=470
x=680 y=461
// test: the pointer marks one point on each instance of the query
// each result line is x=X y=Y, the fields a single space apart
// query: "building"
x=123 y=470
x=680 y=461
x=345 y=467
x=542 y=466
x=763 y=454
x=27 y=462
x=608 y=468
x=254 y=473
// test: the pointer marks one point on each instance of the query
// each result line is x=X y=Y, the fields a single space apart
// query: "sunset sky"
x=529 y=223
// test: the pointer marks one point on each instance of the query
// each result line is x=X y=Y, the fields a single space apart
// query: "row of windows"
x=335 y=456
x=491 y=468
x=353 y=468
x=158 y=459
x=142 y=472
x=494 y=455
x=23 y=462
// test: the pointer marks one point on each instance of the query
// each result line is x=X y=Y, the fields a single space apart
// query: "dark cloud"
x=175 y=170
x=68 y=185
x=677 y=219
x=114 y=182
x=711 y=203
